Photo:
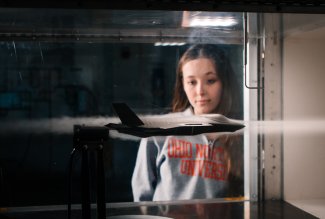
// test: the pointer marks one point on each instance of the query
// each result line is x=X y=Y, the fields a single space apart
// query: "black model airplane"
x=170 y=124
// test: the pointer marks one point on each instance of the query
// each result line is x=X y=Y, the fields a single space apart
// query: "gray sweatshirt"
x=179 y=168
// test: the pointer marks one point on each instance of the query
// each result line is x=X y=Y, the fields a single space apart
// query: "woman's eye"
x=191 y=82
x=212 y=81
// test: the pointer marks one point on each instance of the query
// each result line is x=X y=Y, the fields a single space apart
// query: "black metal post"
x=85 y=184
x=101 y=205
x=89 y=139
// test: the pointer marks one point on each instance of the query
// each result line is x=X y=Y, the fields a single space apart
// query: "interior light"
x=212 y=22
x=208 y=19
x=170 y=43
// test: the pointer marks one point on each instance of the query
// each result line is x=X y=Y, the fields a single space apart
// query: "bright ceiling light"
x=170 y=43
x=212 y=22
x=210 y=19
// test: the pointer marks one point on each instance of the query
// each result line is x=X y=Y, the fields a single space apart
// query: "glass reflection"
x=66 y=67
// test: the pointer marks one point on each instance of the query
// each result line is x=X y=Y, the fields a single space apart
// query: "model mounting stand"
x=91 y=139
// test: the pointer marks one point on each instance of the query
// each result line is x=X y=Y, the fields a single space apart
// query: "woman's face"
x=202 y=85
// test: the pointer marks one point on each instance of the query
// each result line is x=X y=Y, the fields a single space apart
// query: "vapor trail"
x=65 y=126
x=286 y=127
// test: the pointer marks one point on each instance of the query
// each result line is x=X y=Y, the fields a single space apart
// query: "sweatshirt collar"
x=188 y=112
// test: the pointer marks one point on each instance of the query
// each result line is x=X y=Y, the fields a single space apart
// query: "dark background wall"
x=43 y=81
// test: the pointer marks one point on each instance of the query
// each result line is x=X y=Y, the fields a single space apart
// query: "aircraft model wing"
x=169 y=124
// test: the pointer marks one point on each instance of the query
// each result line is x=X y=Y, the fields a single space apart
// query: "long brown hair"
x=229 y=99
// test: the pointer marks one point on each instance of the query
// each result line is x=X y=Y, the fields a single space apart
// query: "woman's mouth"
x=202 y=102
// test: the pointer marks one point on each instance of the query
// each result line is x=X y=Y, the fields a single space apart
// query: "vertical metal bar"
x=273 y=106
x=101 y=208
x=85 y=184
x=252 y=105
x=260 y=110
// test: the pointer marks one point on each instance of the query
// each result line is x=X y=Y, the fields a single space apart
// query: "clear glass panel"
x=66 y=67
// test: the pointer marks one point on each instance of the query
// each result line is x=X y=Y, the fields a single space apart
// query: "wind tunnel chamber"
x=65 y=67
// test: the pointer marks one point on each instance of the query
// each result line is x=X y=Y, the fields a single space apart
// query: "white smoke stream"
x=287 y=127
x=65 y=126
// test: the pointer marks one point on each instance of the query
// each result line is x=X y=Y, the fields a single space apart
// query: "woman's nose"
x=200 y=89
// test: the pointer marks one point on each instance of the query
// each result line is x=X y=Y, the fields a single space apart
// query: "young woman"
x=217 y=78
x=191 y=167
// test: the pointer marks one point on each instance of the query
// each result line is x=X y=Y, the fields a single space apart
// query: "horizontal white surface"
x=315 y=207
x=137 y=217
